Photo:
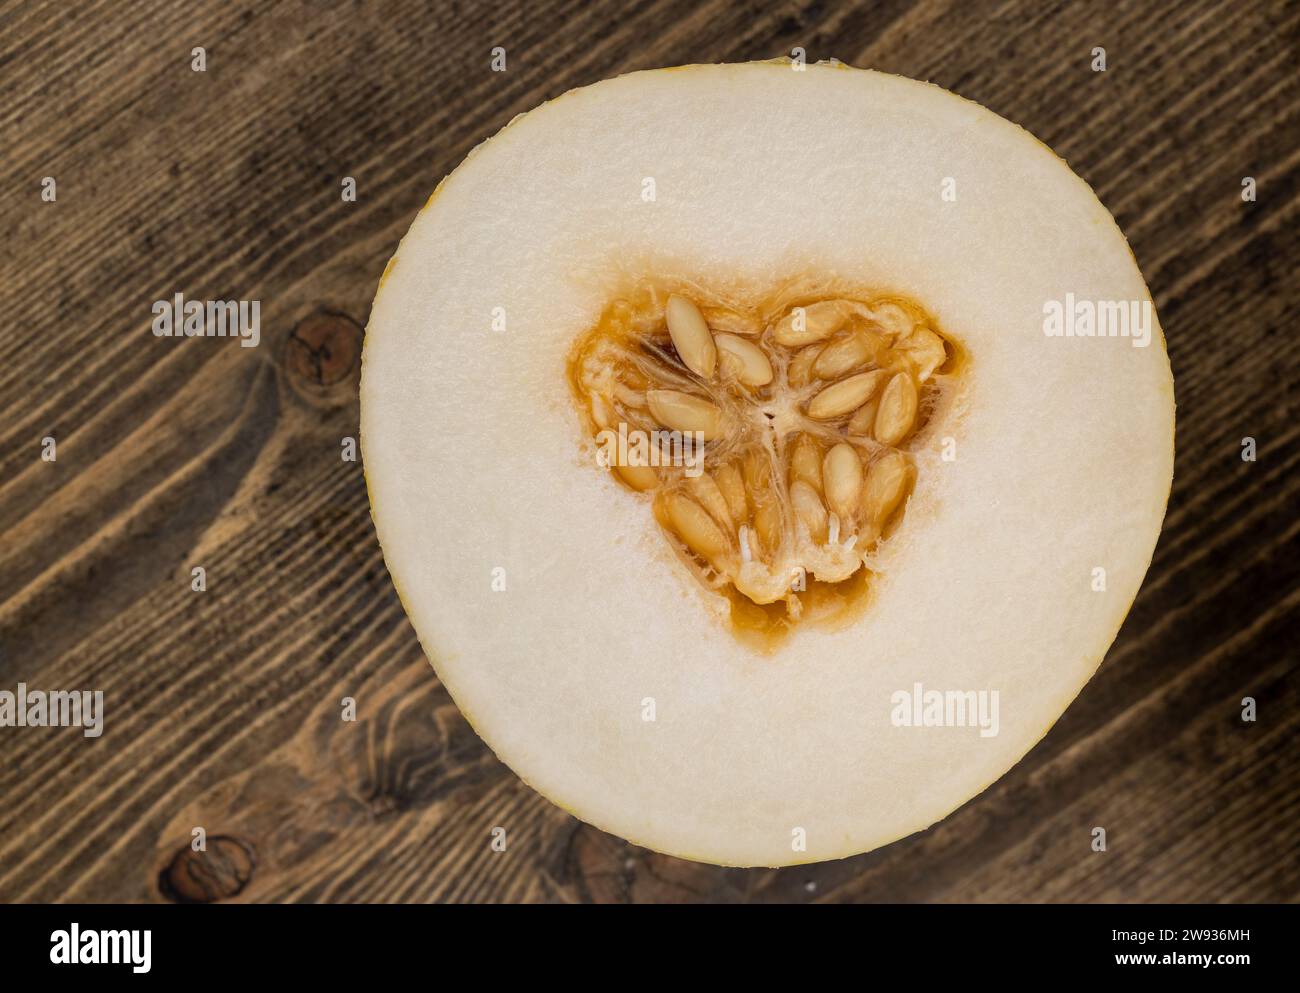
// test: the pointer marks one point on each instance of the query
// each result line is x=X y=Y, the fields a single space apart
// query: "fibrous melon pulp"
x=765 y=455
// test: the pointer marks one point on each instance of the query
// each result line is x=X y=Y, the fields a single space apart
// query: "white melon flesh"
x=479 y=469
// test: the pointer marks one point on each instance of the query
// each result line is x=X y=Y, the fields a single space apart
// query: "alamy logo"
x=656 y=448
x=945 y=708
x=55 y=709
x=181 y=318
x=78 y=947
x=1071 y=318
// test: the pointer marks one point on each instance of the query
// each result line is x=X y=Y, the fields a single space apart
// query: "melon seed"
x=843 y=355
x=709 y=496
x=695 y=527
x=801 y=366
x=691 y=336
x=806 y=462
x=744 y=360
x=808 y=508
x=845 y=396
x=639 y=477
x=886 y=483
x=863 y=421
x=683 y=412
x=842 y=471
x=733 y=491
x=897 y=411
x=805 y=325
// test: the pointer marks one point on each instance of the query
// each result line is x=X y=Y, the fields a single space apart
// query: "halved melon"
x=905 y=430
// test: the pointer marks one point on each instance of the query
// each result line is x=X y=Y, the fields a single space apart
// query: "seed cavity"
x=804 y=412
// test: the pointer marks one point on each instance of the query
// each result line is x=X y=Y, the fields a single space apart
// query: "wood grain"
x=223 y=708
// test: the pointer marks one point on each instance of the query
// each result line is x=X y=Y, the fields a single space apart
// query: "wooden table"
x=223 y=707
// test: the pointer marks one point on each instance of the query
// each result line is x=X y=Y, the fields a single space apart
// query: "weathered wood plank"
x=226 y=707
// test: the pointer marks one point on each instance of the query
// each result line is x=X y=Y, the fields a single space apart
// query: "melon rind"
x=476 y=460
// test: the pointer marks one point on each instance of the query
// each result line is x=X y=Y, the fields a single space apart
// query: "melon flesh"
x=477 y=468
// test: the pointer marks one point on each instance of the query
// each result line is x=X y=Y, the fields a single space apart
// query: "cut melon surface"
x=620 y=669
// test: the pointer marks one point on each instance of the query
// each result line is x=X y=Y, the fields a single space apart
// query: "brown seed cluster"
x=773 y=443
